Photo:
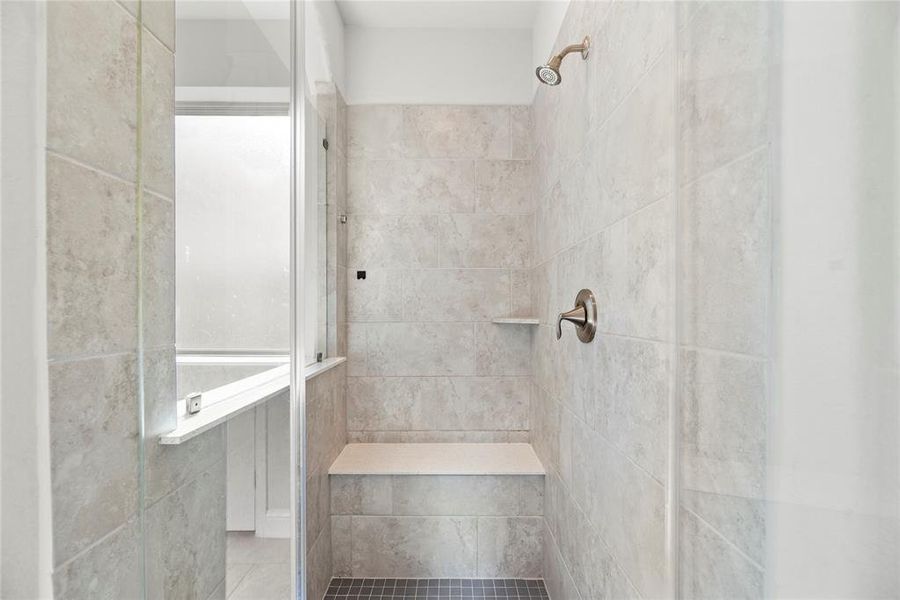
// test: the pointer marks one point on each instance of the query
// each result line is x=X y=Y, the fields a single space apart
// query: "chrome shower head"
x=549 y=73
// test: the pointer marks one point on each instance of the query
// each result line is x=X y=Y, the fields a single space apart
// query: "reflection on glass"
x=233 y=215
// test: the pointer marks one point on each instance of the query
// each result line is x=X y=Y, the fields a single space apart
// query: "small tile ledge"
x=516 y=321
x=226 y=402
x=437 y=459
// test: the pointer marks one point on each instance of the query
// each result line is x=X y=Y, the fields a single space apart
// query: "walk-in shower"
x=455 y=333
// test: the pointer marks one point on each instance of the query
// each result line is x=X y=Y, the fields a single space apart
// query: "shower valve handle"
x=583 y=316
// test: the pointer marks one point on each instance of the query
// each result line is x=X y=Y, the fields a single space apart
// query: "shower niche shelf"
x=516 y=321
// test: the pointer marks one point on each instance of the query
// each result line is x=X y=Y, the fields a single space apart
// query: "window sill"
x=226 y=402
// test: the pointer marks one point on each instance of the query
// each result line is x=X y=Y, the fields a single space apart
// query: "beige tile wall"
x=437 y=525
x=604 y=162
x=110 y=258
x=441 y=222
x=724 y=133
x=326 y=427
x=603 y=166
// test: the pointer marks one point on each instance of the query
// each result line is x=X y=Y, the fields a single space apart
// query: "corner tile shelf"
x=516 y=321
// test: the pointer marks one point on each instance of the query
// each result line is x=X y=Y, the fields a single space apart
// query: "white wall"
x=438 y=66
x=324 y=44
x=25 y=544
x=547 y=21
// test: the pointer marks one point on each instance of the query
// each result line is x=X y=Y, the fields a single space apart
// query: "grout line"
x=725 y=166
x=215 y=587
x=186 y=482
x=705 y=350
x=239 y=581
x=727 y=541
x=102 y=539
x=156 y=37
x=65 y=157
x=67 y=358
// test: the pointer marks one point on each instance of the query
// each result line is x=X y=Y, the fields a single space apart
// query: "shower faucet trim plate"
x=583 y=316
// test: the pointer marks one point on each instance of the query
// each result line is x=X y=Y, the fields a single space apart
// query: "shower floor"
x=486 y=589
x=257 y=568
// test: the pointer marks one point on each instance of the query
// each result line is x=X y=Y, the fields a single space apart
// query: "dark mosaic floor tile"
x=436 y=589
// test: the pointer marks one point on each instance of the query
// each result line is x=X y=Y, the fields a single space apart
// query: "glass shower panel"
x=233 y=139
x=233 y=246
x=233 y=185
x=789 y=240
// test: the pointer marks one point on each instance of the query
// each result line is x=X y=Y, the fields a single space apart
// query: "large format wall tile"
x=456 y=294
x=485 y=241
x=392 y=241
x=94 y=449
x=409 y=187
x=725 y=85
x=520 y=132
x=158 y=271
x=635 y=255
x=319 y=571
x=361 y=495
x=109 y=570
x=407 y=349
x=92 y=84
x=626 y=397
x=157 y=116
x=456 y=131
x=503 y=187
x=318 y=507
x=430 y=495
x=512 y=495
x=723 y=423
x=340 y=546
x=186 y=538
x=158 y=16
x=437 y=403
x=414 y=546
x=91 y=261
x=374 y=132
x=711 y=568
x=510 y=546
x=378 y=297
x=634 y=165
x=605 y=481
x=556 y=575
x=725 y=221
x=630 y=41
x=167 y=468
x=502 y=350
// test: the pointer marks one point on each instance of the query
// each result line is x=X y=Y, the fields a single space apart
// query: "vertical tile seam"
x=477 y=548
x=139 y=209
x=674 y=442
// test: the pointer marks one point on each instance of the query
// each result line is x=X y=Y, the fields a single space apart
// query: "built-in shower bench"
x=437 y=510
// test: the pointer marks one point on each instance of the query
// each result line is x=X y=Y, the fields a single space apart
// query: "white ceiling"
x=446 y=14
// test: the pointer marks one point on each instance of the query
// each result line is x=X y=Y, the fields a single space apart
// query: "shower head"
x=549 y=73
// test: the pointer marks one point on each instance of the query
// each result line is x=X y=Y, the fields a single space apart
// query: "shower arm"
x=556 y=60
